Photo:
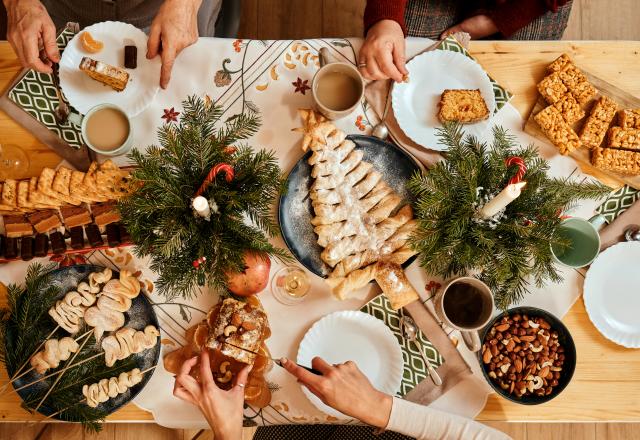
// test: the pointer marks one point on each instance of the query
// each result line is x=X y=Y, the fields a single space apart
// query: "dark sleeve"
x=377 y=10
x=513 y=15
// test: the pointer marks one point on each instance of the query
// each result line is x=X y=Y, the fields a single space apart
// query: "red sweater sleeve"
x=377 y=10
x=512 y=15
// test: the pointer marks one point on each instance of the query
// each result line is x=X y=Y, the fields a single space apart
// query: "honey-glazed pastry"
x=107 y=74
x=53 y=352
x=127 y=341
x=106 y=389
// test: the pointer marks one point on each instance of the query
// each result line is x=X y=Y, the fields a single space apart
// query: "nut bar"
x=44 y=221
x=462 y=106
x=569 y=108
x=16 y=226
x=552 y=88
x=559 y=63
x=75 y=216
x=240 y=324
x=575 y=81
x=557 y=130
x=629 y=118
x=626 y=138
x=598 y=122
x=104 y=213
x=619 y=161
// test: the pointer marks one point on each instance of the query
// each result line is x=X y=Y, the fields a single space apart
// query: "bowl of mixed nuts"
x=527 y=355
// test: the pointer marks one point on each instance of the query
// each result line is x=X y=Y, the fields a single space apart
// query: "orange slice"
x=89 y=44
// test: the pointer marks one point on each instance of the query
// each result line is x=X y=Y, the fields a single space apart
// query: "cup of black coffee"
x=465 y=304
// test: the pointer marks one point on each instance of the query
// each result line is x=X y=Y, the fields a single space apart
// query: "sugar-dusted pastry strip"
x=619 y=161
x=331 y=167
x=330 y=182
x=327 y=214
x=626 y=138
x=557 y=130
x=338 y=153
x=598 y=122
x=559 y=63
x=333 y=196
x=629 y=118
x=569 y=108
x=552 y=88
x=394 y=284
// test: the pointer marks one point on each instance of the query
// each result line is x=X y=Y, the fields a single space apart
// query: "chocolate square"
x=26 y=248
x=113 y=235
x=93 y=235
x=58 y=245
x=41 y=247
x=124 y=234
x=77 y=237
x=11 y=250
x=3 y=245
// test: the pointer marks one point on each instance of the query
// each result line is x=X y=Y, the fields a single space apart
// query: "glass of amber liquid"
x=290 y=285
x=14 y=162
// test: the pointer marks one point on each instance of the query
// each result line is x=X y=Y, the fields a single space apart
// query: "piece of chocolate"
x=11 y=250
x=77 y=237
x=130 y=57
x=75 y=216
x=93 y=235
x=41 y=246
x=3 y=245
x=58 y=245
x=16 y=225
x=124 y=234
x=105 y=213
x=44 y=220
x=113 y=235
x=26 y=248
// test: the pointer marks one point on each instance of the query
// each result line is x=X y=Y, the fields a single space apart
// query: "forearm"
x=512 y=15
x=377 y=10
x=425 y=423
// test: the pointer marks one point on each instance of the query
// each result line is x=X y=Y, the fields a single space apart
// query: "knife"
x=275 y=361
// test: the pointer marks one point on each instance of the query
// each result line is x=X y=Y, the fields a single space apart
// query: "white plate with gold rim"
x=612 y=294
x=354 y=336
x=83 y=92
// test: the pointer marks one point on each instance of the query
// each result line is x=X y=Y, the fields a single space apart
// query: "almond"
x=248 y=325
x=236 y=319
x=502 y=327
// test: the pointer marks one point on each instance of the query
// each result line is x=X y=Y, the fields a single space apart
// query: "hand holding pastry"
x=29 y=28
x=382 y=54
x=174 y=28
x=478 y=26
x=222 y=409
x=346 y=389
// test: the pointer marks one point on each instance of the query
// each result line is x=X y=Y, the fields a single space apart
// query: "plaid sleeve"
x=377 y=10
x=513 y=15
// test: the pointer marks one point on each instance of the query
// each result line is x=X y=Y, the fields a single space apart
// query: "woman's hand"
x=478 y=26
x=346 y=389
x=174 y=28
x=382 y=54
x=222 y=409
x=29 y=28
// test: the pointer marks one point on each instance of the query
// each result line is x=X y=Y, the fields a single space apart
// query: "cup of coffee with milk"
x=337 y=88
x=106 y=129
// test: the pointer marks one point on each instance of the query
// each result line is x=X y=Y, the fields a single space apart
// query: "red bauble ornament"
x=255 y=276
x=198 y=262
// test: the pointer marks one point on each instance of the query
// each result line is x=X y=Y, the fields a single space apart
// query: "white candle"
x=506 y=196
x=201 y=206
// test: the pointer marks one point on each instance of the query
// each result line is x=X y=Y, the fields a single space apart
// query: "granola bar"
x=577 y=84
x=570 y=109
x=557 y=130
x=552 y=88
x=559 y=63
x=462 y=106
x=627 y=138
x=598 y=122
x=629 y=118
x=619 y=161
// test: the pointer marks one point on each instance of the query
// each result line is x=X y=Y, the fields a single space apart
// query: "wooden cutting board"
x=624 y=100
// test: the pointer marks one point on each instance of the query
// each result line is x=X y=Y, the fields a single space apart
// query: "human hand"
x=222 y=409
x=29 y=28
x=382 y=54
x=174 y=28
x=478 y=26
x=346 y=389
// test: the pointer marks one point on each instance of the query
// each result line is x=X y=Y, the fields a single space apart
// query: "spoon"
x=380 y=130
x=410 y=332
x=60 y=111
x=632 y=233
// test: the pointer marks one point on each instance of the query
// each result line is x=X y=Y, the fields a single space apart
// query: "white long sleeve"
x=425 y=423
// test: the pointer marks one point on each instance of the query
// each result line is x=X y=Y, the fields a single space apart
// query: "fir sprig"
x=512 y=253
x=159 y=215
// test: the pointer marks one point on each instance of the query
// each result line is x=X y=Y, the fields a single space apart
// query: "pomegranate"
x=255 y=276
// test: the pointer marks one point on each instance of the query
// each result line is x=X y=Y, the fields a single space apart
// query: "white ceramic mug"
x=469 y=332
x=82 y=122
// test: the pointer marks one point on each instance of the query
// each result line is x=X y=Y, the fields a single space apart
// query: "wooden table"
x=606 y=384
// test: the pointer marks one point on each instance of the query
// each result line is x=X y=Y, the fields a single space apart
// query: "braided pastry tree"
x=54 y=351
x=359 y=219
x=69 y=311
x=128 y=341
x=106 y=389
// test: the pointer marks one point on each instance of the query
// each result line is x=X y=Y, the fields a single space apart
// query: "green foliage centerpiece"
x=196 y=242
x=510 y=247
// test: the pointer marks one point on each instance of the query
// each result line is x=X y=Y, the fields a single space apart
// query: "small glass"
x=290 y=285
x=14 y=162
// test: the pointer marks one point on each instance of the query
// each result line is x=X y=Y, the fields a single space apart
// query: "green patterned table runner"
x=415 y=371
x=36 y=95
x=618 y=202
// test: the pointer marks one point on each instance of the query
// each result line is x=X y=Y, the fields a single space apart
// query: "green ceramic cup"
x=584 y=241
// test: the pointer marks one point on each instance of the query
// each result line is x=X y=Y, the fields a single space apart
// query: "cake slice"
x=104 y=213
x=462 y=106
x=112 y=76
x=619 y=161
x=598 y=122
x=557 y=130
x=44 y=220
x=75 y=216
x=16 y=226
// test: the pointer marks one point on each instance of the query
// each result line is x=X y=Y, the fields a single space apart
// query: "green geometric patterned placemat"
x=36 y=94
x=618 y=202
x=415 y=371
x=502 y=95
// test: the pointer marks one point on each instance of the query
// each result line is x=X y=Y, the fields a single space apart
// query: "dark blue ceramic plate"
x=295 y=211
x=139 y=316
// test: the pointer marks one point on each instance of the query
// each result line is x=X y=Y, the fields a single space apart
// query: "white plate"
x=359 y=337
x=84 y=93
x=612 y=294
x=415 y=103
